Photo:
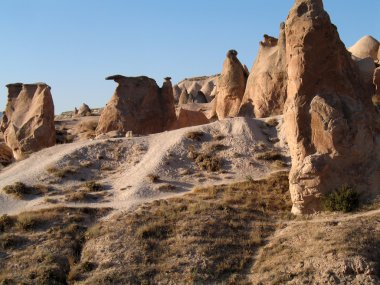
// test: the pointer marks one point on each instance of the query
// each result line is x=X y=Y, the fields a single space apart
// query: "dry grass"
x=62 y=172
x=271 y=155
x=21 y=190
x=326 y=252
x=43 y=245
x=197 y=136
x=207 y=237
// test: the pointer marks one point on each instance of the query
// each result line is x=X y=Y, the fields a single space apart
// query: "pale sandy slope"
x=124 y=164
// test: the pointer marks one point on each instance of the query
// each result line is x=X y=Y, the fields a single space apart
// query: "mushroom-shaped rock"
x=329 y=118
x=265 y=93
x=28 y=120
x=230 y=86
x=138 y=105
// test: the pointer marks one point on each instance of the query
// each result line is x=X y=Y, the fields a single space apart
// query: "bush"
x=197 y=136
x=344 y=199
x=93 y=186
x=19 y=190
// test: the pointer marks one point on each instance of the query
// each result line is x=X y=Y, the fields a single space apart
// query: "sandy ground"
x=123 y=165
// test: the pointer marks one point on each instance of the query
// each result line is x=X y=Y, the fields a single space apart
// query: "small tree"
x=344 y=199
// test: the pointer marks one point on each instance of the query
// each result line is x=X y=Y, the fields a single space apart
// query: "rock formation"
x=366 y=47
x=28 y=120
x=138 y=105
x=265 y=93
x=84 y=110
x=376 y=82
x=167 y=102
x=230 y=87
x=184 y=97
x=329 y=118
x=200 y=98
x=188 y=118
x=205 y=84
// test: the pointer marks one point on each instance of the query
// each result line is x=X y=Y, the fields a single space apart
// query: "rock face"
x=265 y=93
x=376 y=82
x=329 y=118
x=28 y=120
x=366 y=47
x=84 y=110
x=188 y=118
x=200 y=98
x=138 y=105
x=205 y=84
x=184 y=97
x=230 y=87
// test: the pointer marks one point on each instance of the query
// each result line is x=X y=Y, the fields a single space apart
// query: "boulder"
x=28 y=120
x=265 y=93
x=366 y=47
x=329 y=119
x=188 y=118
x=138 y=105
x=84 y=110
x=230 y=87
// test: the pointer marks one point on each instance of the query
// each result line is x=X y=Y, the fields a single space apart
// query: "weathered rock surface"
x=205 y=84
x=366 y=47
x=138 y=105
x=265 y=93
x=28 y=120
x=184 y=97
x=376 y=82
x=230 y=87
x=200 y=98
x=328 y=114
x=84 y=110
x=188 y=118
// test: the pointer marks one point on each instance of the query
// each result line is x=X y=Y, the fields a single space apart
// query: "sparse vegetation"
x=197 y=136
x=208 y=162
x=62 y=172
x=92 y=186
x=270 y=156
x=345 y=199
x=209 y=236
x=153 y=178
x=46 y=244
x=20 y=190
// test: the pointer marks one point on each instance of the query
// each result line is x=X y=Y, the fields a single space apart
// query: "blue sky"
x=74 y=44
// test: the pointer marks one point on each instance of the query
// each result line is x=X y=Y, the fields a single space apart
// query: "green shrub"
x=344 y=199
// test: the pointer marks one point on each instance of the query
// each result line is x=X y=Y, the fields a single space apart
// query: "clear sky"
x=74 y=44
